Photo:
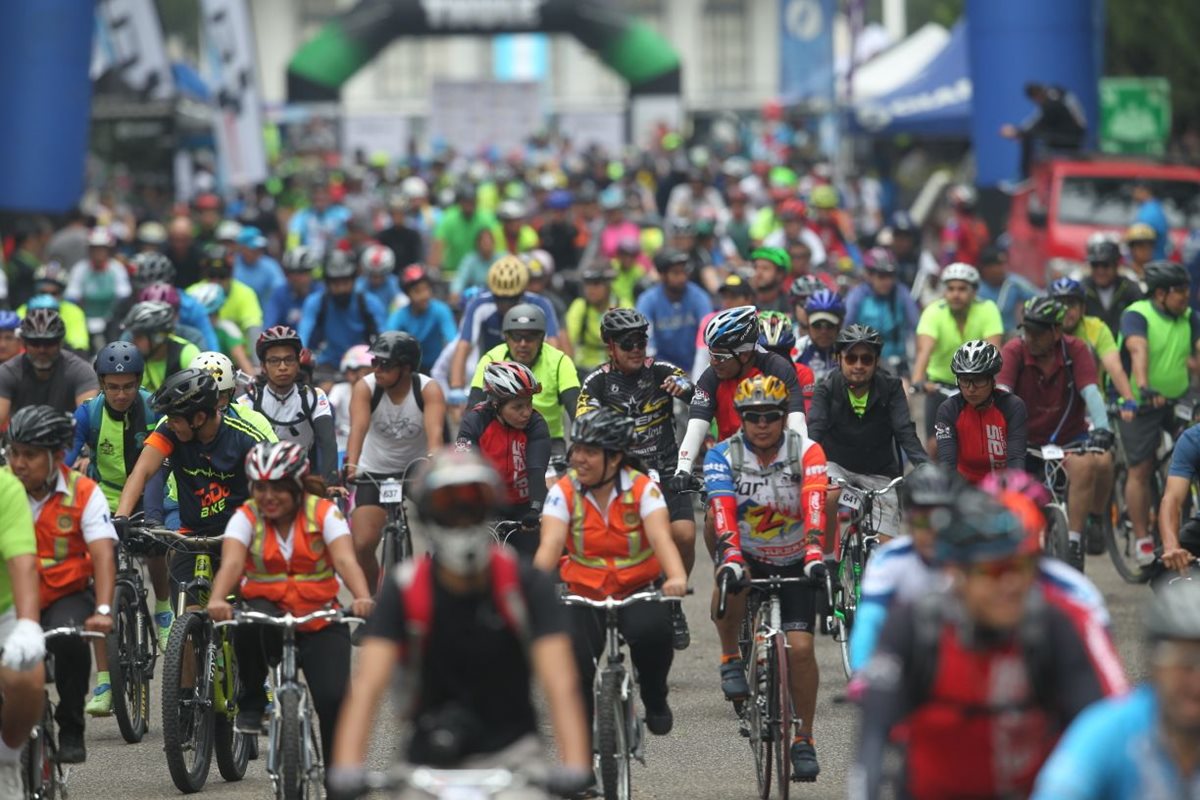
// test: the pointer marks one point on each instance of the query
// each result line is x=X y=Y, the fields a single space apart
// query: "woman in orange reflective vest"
x=283 y=547
x=613 y=522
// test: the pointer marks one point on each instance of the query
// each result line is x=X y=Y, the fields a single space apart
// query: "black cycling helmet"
x=1174 y=611
x=120 y=358
x=619 y=322
x=858 y=334
x=603 y=428
x=524 y=317
x=931 y=485
x=1044 y=311
x=338 y=265
x=668 y=257
x=42 y=324
x=980 y=528
x=397 y=347
x=151 y=267
x=277 y=336
x=186 y=392
x=1103 y=251
x=1165 y=275
x=976 y=357
x=214 y=261
x=150 y=316
x=41 y=426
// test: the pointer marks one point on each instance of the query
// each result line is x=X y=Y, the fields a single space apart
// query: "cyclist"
x=771 y=268
x=1159 y=335
x=286 y=304
x=10 y=343
x=355 y=365
x=938 y=660
x=98 y=282
x=464 y=715
x=612 y=521
x=1005 y=288
x=582 y=320
x=1092 y=330
x=298 y=413
x=221 y=368
x=377 y=267
x=284 y=550
x=230 y=340
x=777 y=336
x=883 y=303
x=959 y=317
x=44 y=374
x=151 y=326
x=166 y=293
x=525 y=342
x=77 y=563
x=1055 y=376
x=320 y=225
x=1180 y=539
x=396 y=415
x=824 y=313
x=427 y=318
x=766 y=493
x=149 y=269
x=241 y=305
x=253 y=266
x=804 y=287
x=339 y=316
x=514 y=439
x=1148 y=737
x=1109 y=292
x=674 y=307
x=859 y=416
x=1142 y=242
x=22 y=678
x=50 y=281
x=980 y=428
x=645 y=390
x=734 y=291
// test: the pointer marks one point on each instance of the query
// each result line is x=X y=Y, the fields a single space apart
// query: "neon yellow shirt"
x=554 y=371
x=75 y=321
x=1097 y=335
x=582 y=324
x=241 y=306
x=937 y=321
x=16 y=534
x=859 y=404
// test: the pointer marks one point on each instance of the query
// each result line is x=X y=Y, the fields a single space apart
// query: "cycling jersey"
x=554 y=371
x=115 y=441
x=939 y=323
x=821 y=362
x=1054 y=401
x=714 y=397
x=16 y=534
x=980 y=441
x=482 y=321
x=519 y=456
x=180 y=353
x=211 y=477
x=329 y=327
x=1097 y=335
x=639 y=396
x=894 y=315
x=1170 y=342
x=292 y=413
x=767 y=512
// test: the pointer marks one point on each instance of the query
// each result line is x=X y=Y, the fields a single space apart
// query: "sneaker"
x=804 y=761
x=10 y=779
x=733 y=680
x=1093 y=534
x=100 y=704
x=164 y=620
x=70 y=747
x=814 y=562
x=681 y=637
x=1144 y=552
x=1075 y=554
x=659 y=721
x=249 y=722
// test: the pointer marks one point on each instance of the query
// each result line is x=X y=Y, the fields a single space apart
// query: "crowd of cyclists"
x=549 y=350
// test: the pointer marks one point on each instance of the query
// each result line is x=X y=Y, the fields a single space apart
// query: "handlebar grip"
x=722 y=596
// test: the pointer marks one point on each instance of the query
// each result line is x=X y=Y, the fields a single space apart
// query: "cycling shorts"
x=797 y=601
x=885 y=511
x=1143 y=434
x=679 y=505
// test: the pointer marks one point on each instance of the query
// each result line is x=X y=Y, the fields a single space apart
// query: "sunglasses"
x=977 y=382
x=461 y=505
x=866 y=359
x=633 y=343
x=1023 y=565
x=761 y=417
x=718 y=357
x=822 y=325
x=523 y=337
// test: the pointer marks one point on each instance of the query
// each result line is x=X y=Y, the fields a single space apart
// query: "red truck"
x=1069 y=199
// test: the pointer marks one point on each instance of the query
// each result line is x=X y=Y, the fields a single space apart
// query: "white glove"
x=25 y=647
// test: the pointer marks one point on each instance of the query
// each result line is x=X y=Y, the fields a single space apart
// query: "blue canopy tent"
x=936 y=102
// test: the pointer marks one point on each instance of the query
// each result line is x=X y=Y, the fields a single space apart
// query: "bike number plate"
x=1052 y=452
x=391 y=491
x=850 y=500
x=1184 y=411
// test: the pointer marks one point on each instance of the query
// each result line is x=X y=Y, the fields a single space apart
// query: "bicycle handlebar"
x=609 y=603
x=288 y=620
x=872 y=493
x=437 y=781
x=72 y=630
x=184 y=542
x=1073 y=447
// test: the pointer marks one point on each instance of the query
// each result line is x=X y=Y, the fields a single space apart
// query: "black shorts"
x=797 y=601
x=679 y=505
x=367 y=494
x=182 y=570
x=1140 y=437
x=932 y=403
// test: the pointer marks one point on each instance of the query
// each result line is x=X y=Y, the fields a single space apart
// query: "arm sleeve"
x=1097 y=411
x=547 y=616
x=722 y=503
x=903 y=428
x=82 y=429
x=327 y=450
x=537 y=459
x=814 y=489
x=693 y=437
x=470 y=429
x=569 y=399
x=702 y=407
x=153 y=496
x=945 y=432
x=1018 y=432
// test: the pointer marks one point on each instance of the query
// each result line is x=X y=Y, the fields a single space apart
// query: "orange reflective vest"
x=608 y=557
x=64 y=564
x=306 y=582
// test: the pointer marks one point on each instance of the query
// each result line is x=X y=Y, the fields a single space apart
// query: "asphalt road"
x=704 y=757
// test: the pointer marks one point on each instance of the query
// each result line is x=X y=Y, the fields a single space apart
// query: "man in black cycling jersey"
x=208 y=451
x=644 y=389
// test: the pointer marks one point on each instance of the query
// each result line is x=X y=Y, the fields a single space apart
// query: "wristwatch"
x=104 y=610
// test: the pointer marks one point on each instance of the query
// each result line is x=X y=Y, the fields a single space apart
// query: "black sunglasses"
x=633 y=343
x=866 y=359
x=762 y=417
x=524 y=336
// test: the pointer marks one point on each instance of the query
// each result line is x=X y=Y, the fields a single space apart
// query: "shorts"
x=182 y=569
x=932 y=403
x=8 y=621
x=679 y=505
x=885 y=508
x=367 y=494
x=1141 y=437
x=797 y=601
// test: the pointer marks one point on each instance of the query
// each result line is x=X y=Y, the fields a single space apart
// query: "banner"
x=471 y=116
x=229 y=68
x=128 y=52
x=806 y=53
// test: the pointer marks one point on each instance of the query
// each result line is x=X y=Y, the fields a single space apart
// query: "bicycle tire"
x=612 y=741
x=40 y=773
x=758 y=711
x=291 y=777
x=1057 y=537
x=387 y=558
x=232 y=748
x=404 y=545
x=781 y=716
x=127 y=665
x=1118 y=536
x=187 y=721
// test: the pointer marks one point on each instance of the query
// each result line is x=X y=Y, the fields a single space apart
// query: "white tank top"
x=396 y=434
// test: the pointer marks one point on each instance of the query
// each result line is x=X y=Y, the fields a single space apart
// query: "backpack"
x=305 y=406
x=418 y=397
x=736 y=454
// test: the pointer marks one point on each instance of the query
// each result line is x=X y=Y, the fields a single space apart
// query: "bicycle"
x=766 y=715
x=198 y=720
x=396 y=533
x=44 y=777
x=1056 y=540
x=132 y=646
x=504 y=530
x=450 y=784
x=844 y=584
x=617 y=734
x=294 y=762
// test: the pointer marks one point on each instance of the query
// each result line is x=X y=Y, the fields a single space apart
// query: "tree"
x=1148 y=39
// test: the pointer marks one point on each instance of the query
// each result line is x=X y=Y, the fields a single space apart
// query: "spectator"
x=1150 y=211
x=1058 y=123
x=1142 y=241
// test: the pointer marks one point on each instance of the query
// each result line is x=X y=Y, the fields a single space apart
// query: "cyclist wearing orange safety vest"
x=283 y=546
x=613 y=522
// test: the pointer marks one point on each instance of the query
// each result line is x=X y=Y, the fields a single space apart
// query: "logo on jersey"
x=701 y=398
x=941 y=430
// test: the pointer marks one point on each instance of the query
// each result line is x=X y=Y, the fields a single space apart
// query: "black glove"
x=1101 y=440
x=735 y=573
x=569 y=781
x=681 y=482
x=1148 y=395
x=121 y=524
x=345 y=783
x=532 y=520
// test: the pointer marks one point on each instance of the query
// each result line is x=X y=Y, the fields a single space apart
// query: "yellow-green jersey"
x=16 y=534
x=938 y=321
x=1096 y=334
x=554 y=371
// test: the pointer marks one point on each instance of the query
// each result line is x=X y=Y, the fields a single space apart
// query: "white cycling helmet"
x=378 y=259
x=357 y=357
x=219 y=366
x=414 y=187
x=959 y=271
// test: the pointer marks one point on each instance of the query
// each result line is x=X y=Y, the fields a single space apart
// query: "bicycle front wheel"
x=781 y=716
x=187 y=704
x=758 y=710
x=1057 y=539
x=39 y=772
x=291 y=755
x=130 y=664
x=232 y=748
x=387 y=558
x=612 y=738
x=1119 y=539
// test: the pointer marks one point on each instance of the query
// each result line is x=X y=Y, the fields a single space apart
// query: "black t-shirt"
x=70 y=377
x=641 y=398
x=473 y=661
x=404 y=242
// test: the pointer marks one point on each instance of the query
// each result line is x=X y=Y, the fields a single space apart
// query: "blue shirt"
x=1113 y=751
x=264 y=277
x=481 y=319
x=434 y=329
x=340 y=327
x=192 y=314
x=285 y=307
x=386 y=292
x=1008 y=296
x=1151 y=212
x=673 y=324
x=895 y=316
x=318 y=230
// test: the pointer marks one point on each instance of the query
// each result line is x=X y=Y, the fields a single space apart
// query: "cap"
x=251 y=236
x=823 y=316
x=735 y=284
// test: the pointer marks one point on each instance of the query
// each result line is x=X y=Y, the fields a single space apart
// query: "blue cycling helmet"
x=732 y=329
x=1067 y=287
x=119 y=358
x=776 y=332
x=9 y=320
x=43 y=301
x=826 y=301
